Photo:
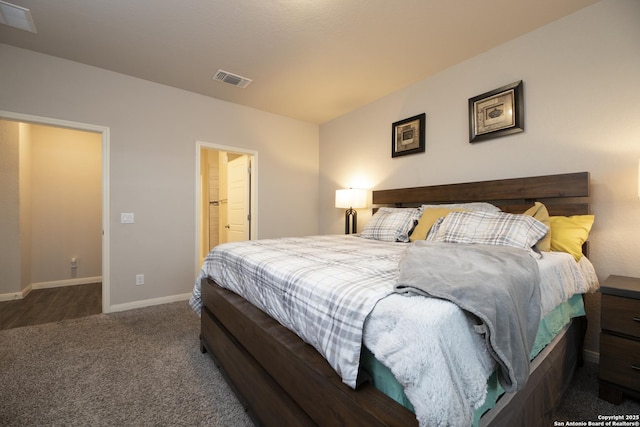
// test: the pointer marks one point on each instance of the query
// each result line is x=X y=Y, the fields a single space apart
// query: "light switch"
x=126 y=218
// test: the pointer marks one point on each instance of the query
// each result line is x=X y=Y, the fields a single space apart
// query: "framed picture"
x=407 y=136
x=496 y=113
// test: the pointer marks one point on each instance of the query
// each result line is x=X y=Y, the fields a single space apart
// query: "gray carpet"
x=137 y=368
x=143 y=368
x=581 y=402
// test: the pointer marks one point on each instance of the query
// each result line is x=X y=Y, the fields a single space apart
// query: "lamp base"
x=350 y=221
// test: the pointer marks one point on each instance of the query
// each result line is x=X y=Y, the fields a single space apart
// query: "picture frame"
x=497 y=113
x=407 y=136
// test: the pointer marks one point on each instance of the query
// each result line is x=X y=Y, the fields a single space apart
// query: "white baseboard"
x=149 y=302
x=112 y=309
x=16 y=295
x=46 y=285
x=66 y=282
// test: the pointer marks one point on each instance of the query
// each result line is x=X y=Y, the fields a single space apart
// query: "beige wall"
x=581 y=109
x=9 y=208
x=153 y=133
x=66 y=204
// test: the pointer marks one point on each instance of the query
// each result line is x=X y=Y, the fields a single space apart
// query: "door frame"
x=253 y=191
x=104 y=131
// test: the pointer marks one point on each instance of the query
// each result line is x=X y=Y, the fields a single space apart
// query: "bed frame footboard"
x=281 y=380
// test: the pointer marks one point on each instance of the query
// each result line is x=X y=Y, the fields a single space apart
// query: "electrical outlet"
x=74 y=262
x=139 y=279
x=127 y=218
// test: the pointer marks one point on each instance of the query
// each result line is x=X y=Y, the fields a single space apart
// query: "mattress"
x=300 y=269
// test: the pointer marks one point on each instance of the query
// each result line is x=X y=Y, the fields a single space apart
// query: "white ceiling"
x=312 y=60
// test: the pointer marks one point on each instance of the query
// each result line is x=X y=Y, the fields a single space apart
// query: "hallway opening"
x=59 y=212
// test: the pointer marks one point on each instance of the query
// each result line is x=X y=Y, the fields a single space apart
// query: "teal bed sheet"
x=549 y=327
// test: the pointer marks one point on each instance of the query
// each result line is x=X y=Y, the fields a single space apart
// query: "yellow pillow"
x=426 y=221
x=540 y=212
x=569 y=233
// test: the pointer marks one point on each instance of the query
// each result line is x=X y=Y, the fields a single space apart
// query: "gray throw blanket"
x=499 y=285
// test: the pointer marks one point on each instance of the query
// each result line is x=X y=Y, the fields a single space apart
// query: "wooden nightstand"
x=620 y=339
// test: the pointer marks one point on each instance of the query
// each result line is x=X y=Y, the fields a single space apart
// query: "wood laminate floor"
x=52 y=305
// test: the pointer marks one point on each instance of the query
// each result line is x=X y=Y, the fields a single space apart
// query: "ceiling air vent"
x=16 y=16
x=232 y=79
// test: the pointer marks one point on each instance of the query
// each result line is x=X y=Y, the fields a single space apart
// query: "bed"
x=282 y=380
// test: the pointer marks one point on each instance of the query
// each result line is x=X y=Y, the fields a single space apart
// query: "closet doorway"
x=226 y=196
x=60 y=236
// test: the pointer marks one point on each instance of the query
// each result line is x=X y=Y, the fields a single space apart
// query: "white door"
x=238 y=205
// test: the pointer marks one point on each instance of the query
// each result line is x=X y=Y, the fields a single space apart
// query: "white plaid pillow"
x=391 y=224
x=491 y=228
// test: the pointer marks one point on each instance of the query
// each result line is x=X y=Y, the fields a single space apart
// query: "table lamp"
x=351 y=199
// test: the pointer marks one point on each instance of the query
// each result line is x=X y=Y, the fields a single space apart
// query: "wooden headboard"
x=563 y=194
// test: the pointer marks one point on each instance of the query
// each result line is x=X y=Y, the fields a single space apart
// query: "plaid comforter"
x=322 y=295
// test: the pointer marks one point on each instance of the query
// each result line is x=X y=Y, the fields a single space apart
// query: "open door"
x=238 y=226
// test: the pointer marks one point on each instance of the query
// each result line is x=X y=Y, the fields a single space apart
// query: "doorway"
x=102 y=134
x=226 y=196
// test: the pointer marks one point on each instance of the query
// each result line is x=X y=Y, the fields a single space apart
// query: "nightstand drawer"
x=620 y=314
x=620 y=361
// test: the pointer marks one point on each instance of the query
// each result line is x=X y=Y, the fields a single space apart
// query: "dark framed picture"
x=407 y=136
x=496 y=113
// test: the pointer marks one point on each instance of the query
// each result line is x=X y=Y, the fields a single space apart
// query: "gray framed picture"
x=407 y=136
x=496 y=113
